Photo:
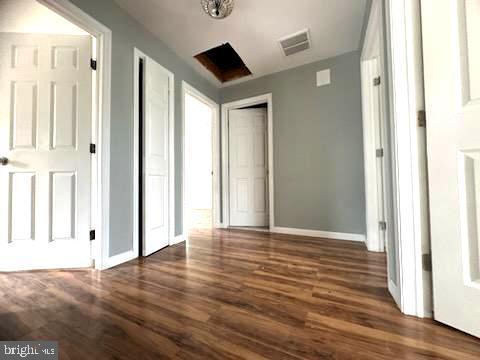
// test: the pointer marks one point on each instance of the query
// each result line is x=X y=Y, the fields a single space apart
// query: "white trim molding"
x=137 y=55
x=261 y=99
x=410 y=194
x=216 y=208
x=319 y=234
x=103 y=36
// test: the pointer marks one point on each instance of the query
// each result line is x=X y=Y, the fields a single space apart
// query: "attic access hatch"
x=223 y=62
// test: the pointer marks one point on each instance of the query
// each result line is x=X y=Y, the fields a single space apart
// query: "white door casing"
x=45 y=132
x=248 y=167
x=451 y=37
x=156 y=222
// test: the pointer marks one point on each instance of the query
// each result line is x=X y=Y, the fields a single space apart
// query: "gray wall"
x=127 y=34
x=318 y=144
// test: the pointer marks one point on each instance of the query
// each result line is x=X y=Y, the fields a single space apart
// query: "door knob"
x=3 y=161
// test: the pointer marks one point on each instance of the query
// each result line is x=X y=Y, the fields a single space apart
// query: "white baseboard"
x=177 y=240
x=120 y=259
x=319 y=234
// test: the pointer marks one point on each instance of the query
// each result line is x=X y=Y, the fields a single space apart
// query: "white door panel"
x=45 y=132
x=452 y=79
x=248 y=167
x=156 y=159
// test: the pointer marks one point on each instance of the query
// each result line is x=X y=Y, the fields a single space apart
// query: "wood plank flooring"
x=227 y=295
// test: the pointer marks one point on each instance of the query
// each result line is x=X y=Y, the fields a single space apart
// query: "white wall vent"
x=323 y=77
x=295 y=43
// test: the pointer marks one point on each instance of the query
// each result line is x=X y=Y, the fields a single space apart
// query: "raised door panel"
x=242 y=150
x=469 y=15
x=260 y=195
x=157 y=130
x=21 y=213
x=470 y=214
x=24 y=113
x=63 y=203
x=156 y=187
x=65 y=58
x=242 y=195
x=259 y=148
x=25 y=57
x=64 y=115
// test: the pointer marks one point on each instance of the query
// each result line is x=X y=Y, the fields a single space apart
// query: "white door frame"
x=261 y=99
x=101 y=126
x=411 y=214
x=189 y=89
x=137 y=55
x=373 y=48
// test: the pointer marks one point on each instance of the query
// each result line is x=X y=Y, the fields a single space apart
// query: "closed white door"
x=451 y=37
x=248 y=167
x=156 y=159
x=45 y=132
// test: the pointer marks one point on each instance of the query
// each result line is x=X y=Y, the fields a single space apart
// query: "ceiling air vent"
x=295 y=43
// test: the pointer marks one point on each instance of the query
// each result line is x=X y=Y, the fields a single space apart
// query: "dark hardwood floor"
x=227 y=295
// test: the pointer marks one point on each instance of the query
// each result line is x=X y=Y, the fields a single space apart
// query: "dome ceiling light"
x=217 y=9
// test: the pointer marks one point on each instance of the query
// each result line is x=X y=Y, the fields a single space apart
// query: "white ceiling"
x=253 y=29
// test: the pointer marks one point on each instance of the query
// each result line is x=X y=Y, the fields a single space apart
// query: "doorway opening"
x=200 y=156
x=50 y=111
x=247 y=163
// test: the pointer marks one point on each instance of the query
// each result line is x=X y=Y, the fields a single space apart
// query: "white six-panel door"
x=451 y=38
x=156 y=159
x=248 y=167
x=45 y=132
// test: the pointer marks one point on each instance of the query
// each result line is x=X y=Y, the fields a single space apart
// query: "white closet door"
x=248 y=167
x=156 y=159
x=45 y=132
x=451 y=38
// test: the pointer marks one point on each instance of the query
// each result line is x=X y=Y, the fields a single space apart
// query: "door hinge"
x=379 y=153
x=93 y=64
x=377 y=81
x=422 y=118
x=93 y=149
x=427 y=262
x=382 y=225
x=92 y=235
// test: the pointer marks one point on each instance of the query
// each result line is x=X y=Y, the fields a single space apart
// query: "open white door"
x=378 y=226
x=156 y=159
x=45 y=132
x=451 y=37
x=248 y=167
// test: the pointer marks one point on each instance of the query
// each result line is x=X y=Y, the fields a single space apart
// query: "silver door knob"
x=3 y=161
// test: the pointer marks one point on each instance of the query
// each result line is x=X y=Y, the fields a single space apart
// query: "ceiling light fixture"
x=217 y=9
